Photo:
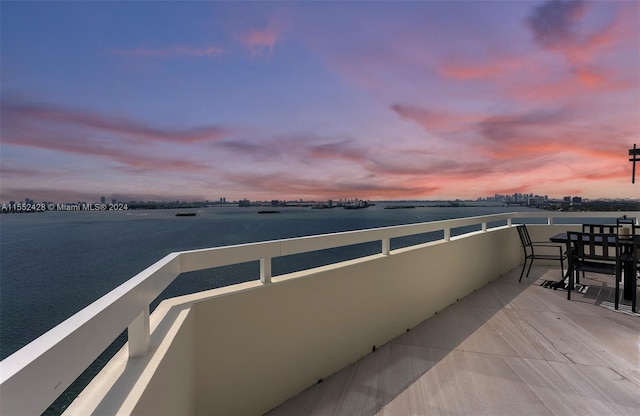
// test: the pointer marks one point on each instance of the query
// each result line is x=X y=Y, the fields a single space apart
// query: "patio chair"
x=592 y=253
x=529 y=247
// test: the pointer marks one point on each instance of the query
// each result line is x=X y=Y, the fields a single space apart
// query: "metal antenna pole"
x=633 y=157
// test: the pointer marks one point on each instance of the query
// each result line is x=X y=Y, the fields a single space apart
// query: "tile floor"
x=507 y=349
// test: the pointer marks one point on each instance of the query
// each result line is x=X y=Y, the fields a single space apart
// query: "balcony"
x=254 y=347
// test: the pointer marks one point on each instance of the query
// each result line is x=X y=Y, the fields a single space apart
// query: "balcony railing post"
x=265 y=271
x=447 y=234
x=484 y=227
x=139 y=334
x=386 y=246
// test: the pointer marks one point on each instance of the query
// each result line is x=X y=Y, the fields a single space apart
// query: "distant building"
x=244 y=203
x=576 y=200
x=535 y=201
x=103 y=200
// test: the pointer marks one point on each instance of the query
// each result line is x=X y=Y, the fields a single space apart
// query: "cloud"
x=171 y=52
x=262 y=41
x=434 y=120
x=553 y=23
x=562 y=27
x=137 y=159
x=121 y=140
x=471 y=69
x=339 y=150
x=515 y=128
x=334 y=160
x=305 y=149
x=39 y=115
x=552 y=145
x=14 y=172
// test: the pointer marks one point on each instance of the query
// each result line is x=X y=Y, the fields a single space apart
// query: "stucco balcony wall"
x=256 y=347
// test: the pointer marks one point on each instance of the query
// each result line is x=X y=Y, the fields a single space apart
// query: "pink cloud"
x=508 y=151
x=552 y=136
x=582 y=83
x=262 y=41
x=493 y=67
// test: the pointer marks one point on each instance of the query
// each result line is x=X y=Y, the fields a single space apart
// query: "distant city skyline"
x=318 y=100
x=101 y=199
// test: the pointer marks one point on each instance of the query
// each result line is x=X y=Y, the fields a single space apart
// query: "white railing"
x=33 y=377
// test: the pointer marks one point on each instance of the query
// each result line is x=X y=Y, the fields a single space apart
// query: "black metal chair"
x=593 y=253
x=529 y=247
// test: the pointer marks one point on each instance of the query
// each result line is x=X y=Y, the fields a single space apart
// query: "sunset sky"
x=318 y=100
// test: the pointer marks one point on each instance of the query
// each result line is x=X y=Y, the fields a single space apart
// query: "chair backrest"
x=524 y=235
x=593 y=246
x=626 y=226
x=629 y=229
x=600 y=228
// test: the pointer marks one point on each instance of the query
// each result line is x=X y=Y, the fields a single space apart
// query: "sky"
x=163 y=100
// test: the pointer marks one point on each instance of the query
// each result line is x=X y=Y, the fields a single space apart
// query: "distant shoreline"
x=588 y=206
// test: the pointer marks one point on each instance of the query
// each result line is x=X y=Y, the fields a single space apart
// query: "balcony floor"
x=508 y=348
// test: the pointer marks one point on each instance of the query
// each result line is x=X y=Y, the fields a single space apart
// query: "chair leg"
x=570 y=286
x=523 y=267
x=617 y=292
x=529 y=270
x=634 y=294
